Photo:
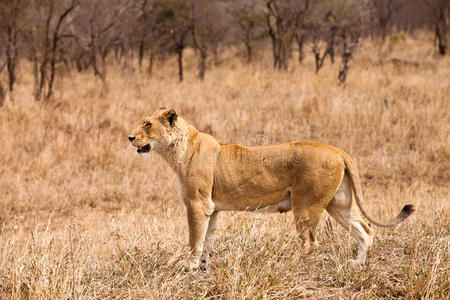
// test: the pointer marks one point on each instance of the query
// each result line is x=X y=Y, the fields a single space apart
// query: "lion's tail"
x=353 y=172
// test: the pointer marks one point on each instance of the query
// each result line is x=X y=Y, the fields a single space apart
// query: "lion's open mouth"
x=144 y=149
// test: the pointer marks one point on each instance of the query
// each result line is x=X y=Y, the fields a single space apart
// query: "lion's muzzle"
x=140 y=147
x=144 y=149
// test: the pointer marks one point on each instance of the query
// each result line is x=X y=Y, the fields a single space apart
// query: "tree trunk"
x=141 y=53
x=249 y=52
x=151 y=60
x=300 y=43
x=317 y=61
x=94 y=63
x=343 y=69
x=42 y=76
x=384 y=29
x=279 y=31
x=330 y=51
x=11 y=56
x=52 y=73
x=37 y=90
x=180 y=63
x=202 y=65
x=54 y=48
x=273 y=38
x=2 y=95
x=349 y=48
x=441 y=31
x=78 y=63
x=276 y=57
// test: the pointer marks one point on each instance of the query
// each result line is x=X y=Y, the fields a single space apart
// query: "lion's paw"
x=355 y=263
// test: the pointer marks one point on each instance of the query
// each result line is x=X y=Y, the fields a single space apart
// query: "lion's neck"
x=175 y=154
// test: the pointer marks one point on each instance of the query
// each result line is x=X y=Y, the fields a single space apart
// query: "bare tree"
x=249 y=19
x=351 y=28
x=2 y=89
x=44 y=43
x=350 y=44
x=11 y=13
x=442 y=27
x=96 y=31
x=303 y=31
x=145 y=8
x=335 y=24
x=301 y=40
x=175 y=26
x=324 y=30
x=316 y=48
x=208 y=29
x=2 y=95
x=440 y=10
x=281 y=18
x=382 y=12
x=330 y=22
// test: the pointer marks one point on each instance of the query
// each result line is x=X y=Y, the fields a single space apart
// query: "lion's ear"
x=171 y=116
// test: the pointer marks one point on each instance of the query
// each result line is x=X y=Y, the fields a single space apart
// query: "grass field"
x=83 y=217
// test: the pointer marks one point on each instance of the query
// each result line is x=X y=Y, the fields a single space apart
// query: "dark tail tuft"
x=407 y=210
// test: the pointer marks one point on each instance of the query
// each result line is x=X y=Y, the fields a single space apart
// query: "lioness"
x=214 y=176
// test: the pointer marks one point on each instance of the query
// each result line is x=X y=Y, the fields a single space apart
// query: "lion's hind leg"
x=307 y=212
x=345 y=211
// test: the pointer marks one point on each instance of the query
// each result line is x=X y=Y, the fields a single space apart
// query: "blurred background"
x=59 y=37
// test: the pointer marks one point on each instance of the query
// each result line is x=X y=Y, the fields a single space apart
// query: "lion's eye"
x=148 y=124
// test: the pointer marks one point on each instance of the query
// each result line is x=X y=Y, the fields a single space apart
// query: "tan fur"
x=304 y=177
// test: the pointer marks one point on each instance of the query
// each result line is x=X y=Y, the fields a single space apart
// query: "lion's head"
x=155 y=132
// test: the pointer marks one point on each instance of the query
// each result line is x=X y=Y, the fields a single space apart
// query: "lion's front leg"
x=210 y=238
x=198 y=225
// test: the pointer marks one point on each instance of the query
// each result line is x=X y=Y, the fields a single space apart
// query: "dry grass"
x=84 y=217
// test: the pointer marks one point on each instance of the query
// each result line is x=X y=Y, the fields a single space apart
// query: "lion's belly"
x=273 y=202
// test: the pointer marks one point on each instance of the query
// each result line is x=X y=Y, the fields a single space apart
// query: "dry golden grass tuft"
x=82 y=216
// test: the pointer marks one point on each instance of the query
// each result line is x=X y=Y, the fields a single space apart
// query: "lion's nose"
x=131 y=138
